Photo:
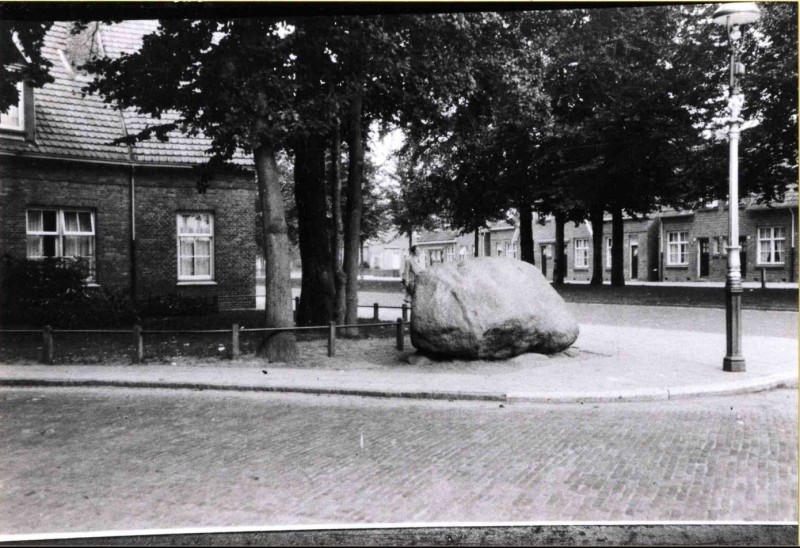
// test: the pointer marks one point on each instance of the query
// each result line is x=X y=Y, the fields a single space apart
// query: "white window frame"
x=511 y=250
x=609 y=247
x=581 y=253
x=61 y=232
x=451 y=254
x=680 y=246
x=462 y=253
x=768 y=235
x=195 y=237
x=6 y=117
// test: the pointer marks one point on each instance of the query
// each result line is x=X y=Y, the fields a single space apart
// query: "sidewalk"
x=607 y=363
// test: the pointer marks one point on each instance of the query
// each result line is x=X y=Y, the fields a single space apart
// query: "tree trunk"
x=596 y=218
x=526 y=233
x=317 y=293
x=352 y=236
x=559 y=264
x=410 y=239
x=280 y=346
x=477 y=242
x=338 y=229
x=617 y=242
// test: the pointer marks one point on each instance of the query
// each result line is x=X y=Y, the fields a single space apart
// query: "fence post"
x=400 y=334
x=296 y=307
x=763 y=279
x=405 y=312
x=235 y=352
x=47 y=345
x=138 y=340
x=375 y=312
x=331 y=339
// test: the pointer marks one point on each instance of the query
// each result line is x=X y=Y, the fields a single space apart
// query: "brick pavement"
x=83 y=459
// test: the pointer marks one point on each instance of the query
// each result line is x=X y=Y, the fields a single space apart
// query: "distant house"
x=385 y=255
x=669 y=245
x=133 y=211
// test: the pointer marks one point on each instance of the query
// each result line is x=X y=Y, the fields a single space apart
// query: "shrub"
x=179 y=305
x=53 y=291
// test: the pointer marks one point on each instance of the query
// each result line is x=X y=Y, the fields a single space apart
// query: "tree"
x=317 y=103
x=410 y=199
x=22 y=61
x=616 y=86
x=482 y=124
x=189 y=89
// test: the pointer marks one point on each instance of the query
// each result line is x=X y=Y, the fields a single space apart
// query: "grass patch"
x=96 y=348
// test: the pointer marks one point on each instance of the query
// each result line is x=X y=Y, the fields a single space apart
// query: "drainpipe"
x=133 y=231
x=660 y=249
x=791 y=259
x=132 y=196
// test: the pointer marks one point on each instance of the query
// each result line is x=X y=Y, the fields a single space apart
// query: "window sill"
x=197 y=282
x=583 y=268
x=12 y=134
x=771 y=266
x=684 y=265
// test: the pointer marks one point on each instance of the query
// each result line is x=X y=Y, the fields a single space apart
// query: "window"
x=582 y=253
x=770 y=244
x=195 y=246
x=608 y=252
x=14 y=117
x=677 y=248
x=462 y=253
x=451 y=254
x=511 y=250
x=435 y=256
x=61 y=233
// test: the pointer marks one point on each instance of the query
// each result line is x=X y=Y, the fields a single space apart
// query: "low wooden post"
x=235 y=351
x=375 y=312
x=405 y=312
x=138 y=340
x=331 y=339
x=47 y=345
x=296 y=307
x=400 y=334
x=763 y=279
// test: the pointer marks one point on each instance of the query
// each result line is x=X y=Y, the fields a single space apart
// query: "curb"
x=660 y=394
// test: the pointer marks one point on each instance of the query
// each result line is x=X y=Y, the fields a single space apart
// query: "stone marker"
x=488 y=308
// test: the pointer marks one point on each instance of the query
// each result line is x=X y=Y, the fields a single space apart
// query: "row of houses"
x=669 y=245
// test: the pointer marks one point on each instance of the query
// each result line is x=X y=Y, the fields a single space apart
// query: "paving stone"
x=92 y=459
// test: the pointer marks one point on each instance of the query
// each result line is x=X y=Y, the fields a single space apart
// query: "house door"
x=743 y=255
x=544 y=260
x=634 y=261
x=704 y=257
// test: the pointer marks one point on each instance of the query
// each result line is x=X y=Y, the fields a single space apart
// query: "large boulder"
x=488 y=308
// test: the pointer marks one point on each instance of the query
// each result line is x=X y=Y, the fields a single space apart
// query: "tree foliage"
x=22 y=60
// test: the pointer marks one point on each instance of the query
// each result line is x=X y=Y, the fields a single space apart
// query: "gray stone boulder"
x=488 y=308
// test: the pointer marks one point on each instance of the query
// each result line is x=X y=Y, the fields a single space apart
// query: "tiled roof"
x=789 y=200
x=69 y=124
x=436 y=236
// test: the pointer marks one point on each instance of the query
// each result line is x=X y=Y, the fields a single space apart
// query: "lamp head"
x=736 y=13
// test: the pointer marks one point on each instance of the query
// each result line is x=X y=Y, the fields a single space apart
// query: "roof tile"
x=72 y=125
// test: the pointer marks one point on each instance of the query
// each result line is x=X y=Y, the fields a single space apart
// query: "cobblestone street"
x=93 y=459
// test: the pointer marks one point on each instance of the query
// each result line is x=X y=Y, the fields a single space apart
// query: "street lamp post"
x=733 y=16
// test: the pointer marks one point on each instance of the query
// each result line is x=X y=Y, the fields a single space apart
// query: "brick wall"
x=712 y=224
x=160 y=195
x=101 y=188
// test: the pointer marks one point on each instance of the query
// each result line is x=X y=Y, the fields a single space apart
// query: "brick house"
x=134 y=212
x=385 y=255
x=670 y=245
